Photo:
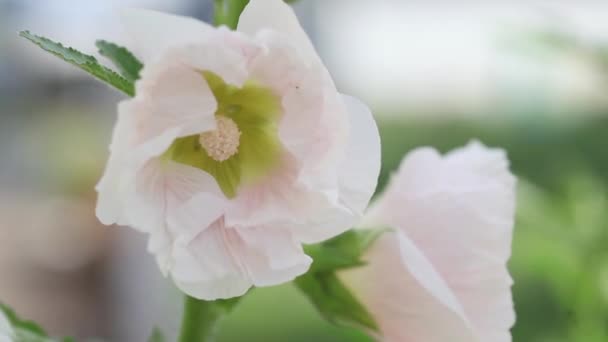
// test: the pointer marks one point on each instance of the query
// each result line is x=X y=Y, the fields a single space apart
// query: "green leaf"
x=128 y=65
x=85 y=62
x=157 y=336
x=334 y=301
x=21 y=324
x=27 y=331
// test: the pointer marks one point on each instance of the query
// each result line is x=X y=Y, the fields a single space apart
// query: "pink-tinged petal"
x=275 y=199
x=282 y=201
x=170 y=196
x=276 y=15
x=207 y=269
x=356 y=174
x=173 y=92
x=273 y=256
x=172 y=95
x=458 y=210
x=315 y=130
x=223 y=262
x=327 y=219
x=278 y=66
x=198 y=201
x=406 y=296
x=229 y=63
x=151 y=33
x=128 y=155
x=165 y=200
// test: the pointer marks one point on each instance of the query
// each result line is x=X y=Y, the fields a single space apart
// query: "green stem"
x=200 y=320
x=227 y=12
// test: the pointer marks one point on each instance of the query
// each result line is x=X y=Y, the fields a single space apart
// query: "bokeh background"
x=529 y=76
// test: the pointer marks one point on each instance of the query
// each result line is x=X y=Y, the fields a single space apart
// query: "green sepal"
x=334 y=301
x=323 y=287
x=128 y=65
x=343 y=251
x=85 y=62
x=201 y=318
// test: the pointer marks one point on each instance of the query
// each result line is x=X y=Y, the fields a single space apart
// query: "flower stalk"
x=199 y=320
x=227 y=12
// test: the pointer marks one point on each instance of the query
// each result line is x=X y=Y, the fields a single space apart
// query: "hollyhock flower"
x=236 y=150
x=6 y=332
x=441 y=274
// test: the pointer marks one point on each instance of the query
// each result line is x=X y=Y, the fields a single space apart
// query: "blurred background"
x=529 y=76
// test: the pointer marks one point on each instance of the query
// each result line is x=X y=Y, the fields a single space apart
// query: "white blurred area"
x=459 y=55
x=59 y=266
x=425 y=56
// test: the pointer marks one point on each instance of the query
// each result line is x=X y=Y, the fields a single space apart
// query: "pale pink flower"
x=236 y=149
x=441 y=275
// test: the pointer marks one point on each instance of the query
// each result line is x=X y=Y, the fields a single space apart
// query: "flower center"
x=222 y=143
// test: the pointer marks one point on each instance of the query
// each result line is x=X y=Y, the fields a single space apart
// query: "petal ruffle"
x=223 y=262
x=277 y=16
x=172 y=96
x=356 y=177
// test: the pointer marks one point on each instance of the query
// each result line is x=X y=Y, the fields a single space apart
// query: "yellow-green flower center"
x=245 y=145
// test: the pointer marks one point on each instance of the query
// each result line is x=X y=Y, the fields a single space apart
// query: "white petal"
x=223 y=262
x=160 y=244
x=277 y=16
x=358 y=173
x=167 y=196
x=315 y=129
x=227 y=56
x=459 y=211
x=172 y=95
x=280 y=66
x=277 y=199
x=151 y=33
x=206 y=268
x=273 y=256
x=283 y=201
x=111 y=188
x=357 y=177
x=198 y=201
x=406 y=296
